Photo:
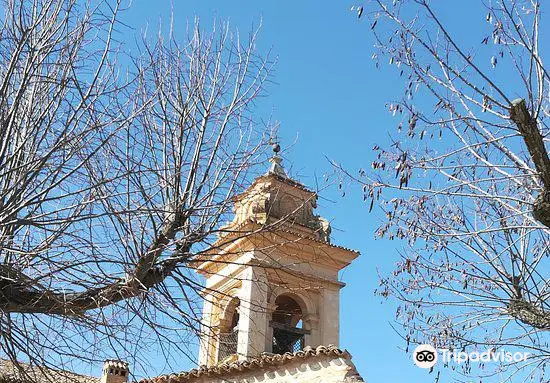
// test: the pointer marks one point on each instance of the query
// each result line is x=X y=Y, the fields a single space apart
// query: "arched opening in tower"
x=229 y=331
x=287 y=324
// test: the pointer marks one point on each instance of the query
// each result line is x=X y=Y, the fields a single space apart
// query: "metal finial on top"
x=276 y=160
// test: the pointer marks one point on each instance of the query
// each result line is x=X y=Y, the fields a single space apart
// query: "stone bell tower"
x=272 y=276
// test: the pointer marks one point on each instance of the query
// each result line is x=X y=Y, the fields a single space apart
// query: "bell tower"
x=272 y=275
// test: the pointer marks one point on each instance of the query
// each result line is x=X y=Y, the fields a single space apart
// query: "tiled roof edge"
x=262 y=361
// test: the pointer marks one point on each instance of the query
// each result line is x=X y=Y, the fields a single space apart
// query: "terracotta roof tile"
x=262 y=361
x=8 y=371
x=322 y=242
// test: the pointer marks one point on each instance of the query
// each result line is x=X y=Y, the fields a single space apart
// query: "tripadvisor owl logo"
x=425 y=356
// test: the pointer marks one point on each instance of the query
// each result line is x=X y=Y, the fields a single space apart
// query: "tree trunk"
x=528 y=129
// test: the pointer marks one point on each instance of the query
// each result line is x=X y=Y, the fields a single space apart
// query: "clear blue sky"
x=329 y=96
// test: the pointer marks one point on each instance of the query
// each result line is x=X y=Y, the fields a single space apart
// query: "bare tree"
x=466 y=182
x=115 y=169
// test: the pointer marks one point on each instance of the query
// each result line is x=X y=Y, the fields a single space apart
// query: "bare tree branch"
x=465 y=181
x=115 y=170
